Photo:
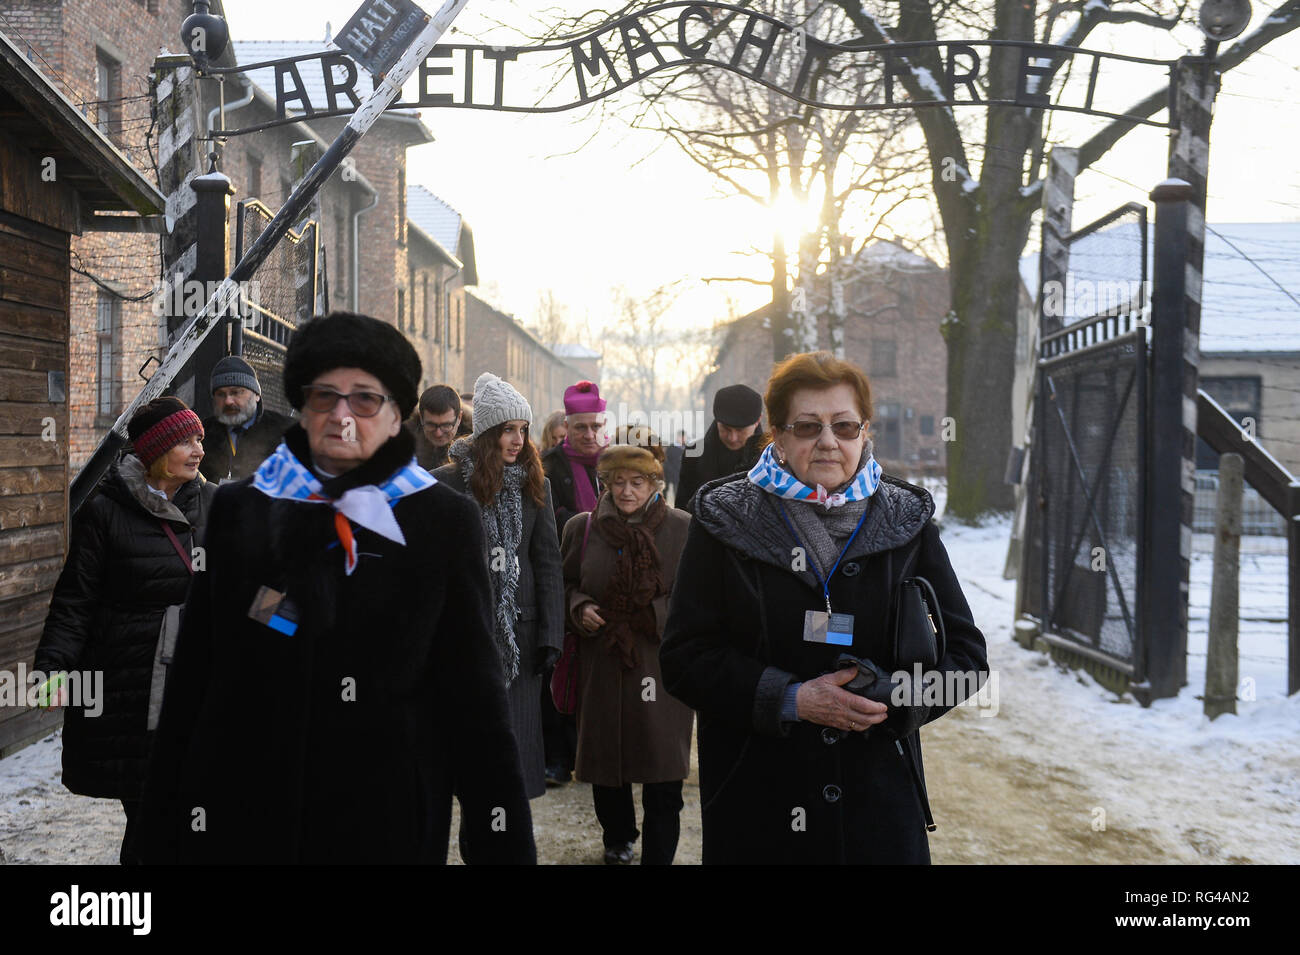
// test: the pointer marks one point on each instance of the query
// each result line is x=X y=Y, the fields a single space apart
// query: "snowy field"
x=1064 y=772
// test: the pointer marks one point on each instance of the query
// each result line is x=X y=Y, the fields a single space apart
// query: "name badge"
x=833 y=628
x=275 y=610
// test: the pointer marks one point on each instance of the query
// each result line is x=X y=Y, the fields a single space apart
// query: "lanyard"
x=826 y=584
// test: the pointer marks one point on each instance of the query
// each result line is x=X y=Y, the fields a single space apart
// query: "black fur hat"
x=349 y=340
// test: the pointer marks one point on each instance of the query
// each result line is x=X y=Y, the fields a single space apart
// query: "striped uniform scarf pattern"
x=774 y=479
x=284 y=477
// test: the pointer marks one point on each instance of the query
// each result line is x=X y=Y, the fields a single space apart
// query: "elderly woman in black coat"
x=336 y=679
x=785 y=569
x=116 y=605
x=501 y=469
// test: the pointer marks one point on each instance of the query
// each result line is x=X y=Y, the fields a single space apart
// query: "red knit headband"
x=166 y=434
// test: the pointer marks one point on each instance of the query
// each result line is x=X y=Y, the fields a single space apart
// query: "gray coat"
x=540 y=599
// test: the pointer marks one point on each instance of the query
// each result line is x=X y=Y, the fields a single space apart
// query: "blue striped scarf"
x=283 y=476
x=774 y=479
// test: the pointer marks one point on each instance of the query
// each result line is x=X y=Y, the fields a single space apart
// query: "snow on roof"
x=313 y=77
x=434 y=217
x=1242 y=307
x=887 y=252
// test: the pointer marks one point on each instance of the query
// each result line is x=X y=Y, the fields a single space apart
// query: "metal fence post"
x=1221 y=653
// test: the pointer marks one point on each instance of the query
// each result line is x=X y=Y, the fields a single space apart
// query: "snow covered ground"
x=1064 y=772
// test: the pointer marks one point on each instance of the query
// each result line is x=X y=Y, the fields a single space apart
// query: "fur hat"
x=625 y=457
x=349 y=340
x=640 y=436
x=496 y=401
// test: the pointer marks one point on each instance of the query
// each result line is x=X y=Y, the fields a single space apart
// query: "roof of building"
x=46 y=123
x=443 y=225
x=1250 y=296
x=313 y=77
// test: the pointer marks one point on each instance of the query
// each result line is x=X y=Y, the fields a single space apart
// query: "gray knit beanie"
x=233 y=371
x=495 y=401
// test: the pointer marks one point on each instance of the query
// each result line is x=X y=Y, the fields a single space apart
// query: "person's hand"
x=544 y=658
x=53 y=693
x=822 y=701
x=591 y=618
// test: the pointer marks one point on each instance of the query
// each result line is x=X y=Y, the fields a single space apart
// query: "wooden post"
x=1221 y=655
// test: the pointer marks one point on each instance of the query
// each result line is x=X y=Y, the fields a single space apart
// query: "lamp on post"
x=1222 y=20
x=204 y=35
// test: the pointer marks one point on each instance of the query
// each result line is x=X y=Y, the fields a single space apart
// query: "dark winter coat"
x=713 y=460
x=624 y=737
x=540 y=623
x=344 y=741
x=733 y=644
x=251 y=448
x=559 y=469
x=106 y=613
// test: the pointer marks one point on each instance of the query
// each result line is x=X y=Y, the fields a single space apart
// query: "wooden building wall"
x=36 y=218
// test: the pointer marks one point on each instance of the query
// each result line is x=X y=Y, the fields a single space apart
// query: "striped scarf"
x=774 y=479
x=284 y=477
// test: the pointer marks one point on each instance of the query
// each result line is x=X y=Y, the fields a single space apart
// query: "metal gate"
x=1087 y=507
x=285 y=297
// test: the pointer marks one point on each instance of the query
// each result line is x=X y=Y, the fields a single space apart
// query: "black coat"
x=709 y=459
x=734 y=642
x=121 y=574
x=342 y=742
x=539 y=600
x=253 y=447
x=428 y=455
x=559 y=470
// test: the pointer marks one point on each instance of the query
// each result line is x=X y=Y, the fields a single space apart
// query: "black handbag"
x=919 y=635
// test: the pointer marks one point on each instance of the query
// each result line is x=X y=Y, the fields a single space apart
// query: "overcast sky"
x=627 y=208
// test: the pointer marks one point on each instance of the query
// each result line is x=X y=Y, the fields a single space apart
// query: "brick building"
x=501 y=345
x=102 y=56
x=894 y=304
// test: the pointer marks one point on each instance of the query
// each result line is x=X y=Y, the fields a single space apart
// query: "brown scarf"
x=637 y=579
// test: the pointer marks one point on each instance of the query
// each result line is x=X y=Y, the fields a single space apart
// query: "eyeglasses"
x=447 y=426
x=807 y=430
x=364 y=404
x=637 y=483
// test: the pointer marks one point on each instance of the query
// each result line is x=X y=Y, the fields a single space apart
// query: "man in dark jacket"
x=571 y=464
x=242 y=434
x=436 y=425
x=732 y=443
x=571 y=468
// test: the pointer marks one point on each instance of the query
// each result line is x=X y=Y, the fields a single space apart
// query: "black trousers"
x=559 y=732
x=661 y=804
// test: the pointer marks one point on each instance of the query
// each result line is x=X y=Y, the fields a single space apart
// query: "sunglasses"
x=844 y=430
x=364 y=404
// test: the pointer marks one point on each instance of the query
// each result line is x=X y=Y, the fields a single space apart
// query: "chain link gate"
x=285 y=297
x=1087 y=504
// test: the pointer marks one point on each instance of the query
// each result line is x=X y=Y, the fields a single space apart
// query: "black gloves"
x=873 y=683
x=544 y=658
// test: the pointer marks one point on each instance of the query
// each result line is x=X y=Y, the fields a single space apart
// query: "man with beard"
x=731 y=444
x=242 y=434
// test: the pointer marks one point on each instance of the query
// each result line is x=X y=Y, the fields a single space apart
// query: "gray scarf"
x=503 y=523
x=825 y=532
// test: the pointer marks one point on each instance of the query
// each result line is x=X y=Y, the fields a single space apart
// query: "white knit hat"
x=495 y=401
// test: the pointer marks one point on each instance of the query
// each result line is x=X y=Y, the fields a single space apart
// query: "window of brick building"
x=401 y=309
x=401 y=205
x=424 y=305
x=884 y=358
x=927 y=424
x=341 y=266
x=108 y=326
x=108 y=95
